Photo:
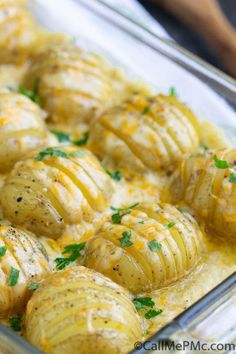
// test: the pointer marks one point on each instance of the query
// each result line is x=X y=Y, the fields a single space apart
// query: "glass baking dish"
x=142 y=55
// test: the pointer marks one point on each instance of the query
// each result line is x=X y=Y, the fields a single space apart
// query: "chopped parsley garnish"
x=146 y=304
x=141 y=303
x=232 y=177
x=82 y=141
x=154 y=245
x=116 y=175
x=13 y=277
x=145 y=111
x=50 y=152
x=222 y=164
x=141 y=222
x=3 y=250
x=125 y=240
x=75 y=250
x=204 y=146
x=61 y=136
x=33 y=286
x=170 y=225
x=32 y=94
x=172 y=92
x=66 y=138
x=15 y=323
x=120 y=212
x=152 y=313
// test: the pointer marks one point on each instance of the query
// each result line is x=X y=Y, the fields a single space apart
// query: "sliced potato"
x=22 y=129
x=209 y=188
x=74 y=85
x=79 y=308
x=154 y=132
x=153 y=246
x=22 y=260
x=45 y=196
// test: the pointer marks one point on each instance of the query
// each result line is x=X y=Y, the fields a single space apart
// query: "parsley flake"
x=50 y=152
x=3 y=250
x=120 y=212
x=82 y=141
x=173 y=92
x=78 y=153
x=141 y=222
x=15 y=323
x=32 y=94
x=33 y=286
x=154 y=245
x=125 y=240
x=13 y=278
x=222 y=164
x=75 y=250
x=61 y=136
x=232 y=177
x=152 y=313
x=116 y=175
x=170 y=225
x=145 y=111
x=141 y=303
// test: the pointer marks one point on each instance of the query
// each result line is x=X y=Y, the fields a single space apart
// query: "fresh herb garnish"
x=3 y=250
x=232 y=177
x=15 y=323
x=145 y=111
x=204 y=146
x=82 y=141
x=154 y=245
x=141 y=303
x=32 y=94
x=116 y=175
x=61 y=136
x=141 y=222
x=50 y=152
x=146 y=304
x=33 y=286
x=75 y=250
x=13 y=277
x=170 y=225
x=120 y=212
x=78 y=153
x=125 y=240
x=152 y=313
x=172 y=92
x=222 y=164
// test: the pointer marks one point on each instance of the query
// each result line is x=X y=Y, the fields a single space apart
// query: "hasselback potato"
x=207 y=185
x=61 y=186
x=22 y=260
x=22 y=128
x=74 y=85
x=153 y=132
x=147 y=248
x=79 y=308
x=18 y=31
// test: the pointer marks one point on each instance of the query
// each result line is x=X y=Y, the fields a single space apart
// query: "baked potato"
x=207 y=184
x=146 y=132
x=22 y=128
x=18 y=31
x=74 y=84
x=22 y=261
x=79 y=308
x=61 y=186
x=149 y=247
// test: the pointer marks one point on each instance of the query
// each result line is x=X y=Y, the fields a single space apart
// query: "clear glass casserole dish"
x=162 y=64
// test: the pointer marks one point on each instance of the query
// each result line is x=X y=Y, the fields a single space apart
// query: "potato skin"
x=22 y=129
x=18 y=31
x=137 y=267
x=74 y=85
x=26 y=254
x=154 y=132
x=79 y=308
x=45 y=196
x=208 y=190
